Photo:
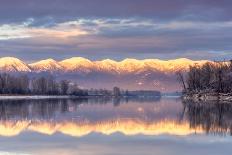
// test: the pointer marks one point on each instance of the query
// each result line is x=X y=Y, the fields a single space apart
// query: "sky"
x=116 y=29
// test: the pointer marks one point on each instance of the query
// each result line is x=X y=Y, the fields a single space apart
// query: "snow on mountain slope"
x=150 y=74
x=130 y=65
x=107 y=65
x=171 y=65
x=77 y=64
x=46 y=65
x=11 y=64
x=181 y=64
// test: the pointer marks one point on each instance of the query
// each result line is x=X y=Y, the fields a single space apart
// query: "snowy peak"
x=131 y=65
x=46 y=65
x=77 y=64
x=107 y=62
x=129 y=73
x=11 y=64
x=107 y=65
x=182 y=64
x=83 y=65
x=171 y=65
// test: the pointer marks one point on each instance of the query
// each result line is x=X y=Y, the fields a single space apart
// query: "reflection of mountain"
x=129 y=73
x=81 y=117
x=125 y=126
x=212 y=117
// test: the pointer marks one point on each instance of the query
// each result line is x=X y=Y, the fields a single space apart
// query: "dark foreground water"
x=114 y=127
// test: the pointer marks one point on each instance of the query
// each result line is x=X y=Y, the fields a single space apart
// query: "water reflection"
x=83 y=116
x=80 y=117
x=213 y=117
x=51 y=108
x=102 y=126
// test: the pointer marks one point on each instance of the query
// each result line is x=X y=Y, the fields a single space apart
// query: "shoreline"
x=35 y=97
x=196 y=97
x=18 y=97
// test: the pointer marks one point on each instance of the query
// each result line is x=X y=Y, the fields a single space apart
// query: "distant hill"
x=133 y=74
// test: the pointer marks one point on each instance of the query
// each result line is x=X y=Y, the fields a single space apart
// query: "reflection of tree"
x=50 y=108
x=116 y=101
x=22 y=109
x=212 y=117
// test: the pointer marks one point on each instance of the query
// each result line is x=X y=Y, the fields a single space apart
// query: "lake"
x=106 y=126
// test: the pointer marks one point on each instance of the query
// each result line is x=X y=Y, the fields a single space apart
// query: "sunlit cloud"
x=136 y=36
x=20 y=31
x=12 y=32
x=117 y=24
x=104 y=26
x=56 y=33
x=157 y=28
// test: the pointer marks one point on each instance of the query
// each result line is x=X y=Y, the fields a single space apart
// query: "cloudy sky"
x=116 y=29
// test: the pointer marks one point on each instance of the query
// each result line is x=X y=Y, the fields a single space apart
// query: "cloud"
x=64 y=30
x=118 y=27
x=123 y=28
x=62 y=10
x=117 y=38
x=12 y=32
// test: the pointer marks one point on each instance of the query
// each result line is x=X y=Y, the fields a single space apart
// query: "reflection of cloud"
x=125 y=126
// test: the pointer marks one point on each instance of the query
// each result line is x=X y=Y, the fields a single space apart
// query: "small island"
x=211 y=81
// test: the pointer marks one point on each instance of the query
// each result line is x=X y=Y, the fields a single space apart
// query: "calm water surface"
x=114 y=127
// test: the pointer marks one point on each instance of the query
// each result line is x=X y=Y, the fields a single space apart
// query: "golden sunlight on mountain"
x=79 y=63
x=46 y=65
x=124 y=126
x=149 y=74
x=12 y=64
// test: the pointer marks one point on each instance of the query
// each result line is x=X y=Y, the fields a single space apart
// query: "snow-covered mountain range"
x=128 y=73
x=79 y=64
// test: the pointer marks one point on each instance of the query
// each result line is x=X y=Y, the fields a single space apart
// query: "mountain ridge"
x=80 y=64
x=132 y=74
x=12 y=64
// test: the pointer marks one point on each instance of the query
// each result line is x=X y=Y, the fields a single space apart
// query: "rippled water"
x=114 y=126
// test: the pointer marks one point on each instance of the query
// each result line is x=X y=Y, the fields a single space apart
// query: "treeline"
x=215 y=77
x=22 y=84
x=48 y=85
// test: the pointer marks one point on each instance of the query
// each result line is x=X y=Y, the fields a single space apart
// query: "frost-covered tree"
x=210 y=77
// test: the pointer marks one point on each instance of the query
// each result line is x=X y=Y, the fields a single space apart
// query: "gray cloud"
x=62 y=10
x=37 y=29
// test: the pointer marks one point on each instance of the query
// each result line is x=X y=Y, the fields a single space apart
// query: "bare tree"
x=180 y=78
x=210 y=77
x=64 y=86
